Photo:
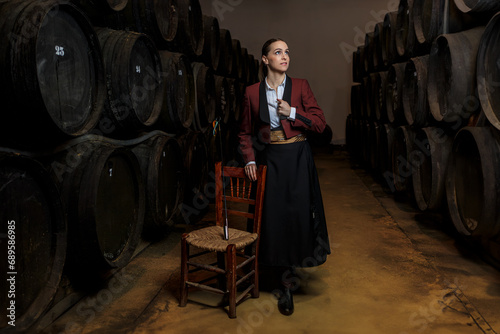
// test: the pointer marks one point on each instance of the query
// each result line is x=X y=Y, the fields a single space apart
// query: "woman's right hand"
x=251 y=172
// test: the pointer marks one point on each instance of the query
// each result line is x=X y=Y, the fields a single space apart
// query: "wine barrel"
x=432 y=147
x=389 y=51
x=49 y=53
x=158 y=19
x=236 y=93
x=178 y=107
x=236 y=70
x=385 y=145
x=34 y=226
x=194 y=151
x=373 y=144
x=427 y=19
x=473 y=182
x=478 y=6
x=245 y=73
x=378 y=63
x=222 y=107
x=103 y=196
x=367 y=102
x=190 y=31
x=162 y=168
x=135 y=87
x=225 y=65
x=95 y=6
x=211 y=47
x=380 y=94
x=405 y=32
x=488 y=76
x=394 y=94
x=357 y=67
x=205 y=95
x=451 y=76
x=357 y=100
x=402 y=157
x=415 y=102
x=369 y=52
x=320 y=139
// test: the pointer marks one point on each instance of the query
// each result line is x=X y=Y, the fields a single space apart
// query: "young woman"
x=277 y=114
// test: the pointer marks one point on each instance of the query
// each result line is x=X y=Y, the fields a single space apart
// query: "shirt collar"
x=281 y=85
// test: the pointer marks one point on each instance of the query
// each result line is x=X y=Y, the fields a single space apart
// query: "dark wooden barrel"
x=349 y=133
x=222 y=107
x=96 y=6
x=205 y=94
x=104 y=198
x=385 y=146
x=357 y=100
x=451 y=76
x=415 y=102
x=158 y=19
x=432 y=147
x=487 y=75
x=194 y=151
x=236 y=93
x=405 y=33
x=135 y=87
x=478 y=6
x=320 y=139
x=381 y=96
x=427 y=18
x=389 y=51
x=225 y=65
x=178 y=106
x=34 y=227
x=402 y=157
x=373 y=144
x=190 y=32
x=473 y=181
x=367 y=93
x=211 y=46
x=365 y=142
x=378 y=43
x=162 y=168
x=358 y=64
x=245 y=72
x=236 y=70
x=49 y=53
x=369 y=52
x=394 y=93
x=253 y=70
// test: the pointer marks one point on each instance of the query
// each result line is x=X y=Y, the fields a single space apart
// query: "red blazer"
x=255 y=130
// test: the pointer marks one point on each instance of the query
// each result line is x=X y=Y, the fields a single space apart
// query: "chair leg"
x=231 y=279
x=184 y=271
x=255 y=290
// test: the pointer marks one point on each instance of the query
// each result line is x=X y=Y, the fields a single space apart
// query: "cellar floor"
x=392 y=270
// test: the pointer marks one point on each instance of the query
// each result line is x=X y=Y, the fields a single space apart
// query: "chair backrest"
x=239 y=189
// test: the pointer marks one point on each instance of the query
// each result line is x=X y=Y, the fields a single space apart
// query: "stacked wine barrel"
x=425 y=111
x=107 y=132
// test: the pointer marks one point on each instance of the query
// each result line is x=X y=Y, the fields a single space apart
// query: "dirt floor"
x=392 y=269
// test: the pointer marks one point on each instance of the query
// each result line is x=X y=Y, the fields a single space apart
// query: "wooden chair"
x=240 y=251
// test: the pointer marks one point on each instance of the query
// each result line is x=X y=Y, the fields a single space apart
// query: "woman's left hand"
x=284 y=108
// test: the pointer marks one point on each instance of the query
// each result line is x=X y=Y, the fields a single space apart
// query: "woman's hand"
x=284 y=108
x=251 y=172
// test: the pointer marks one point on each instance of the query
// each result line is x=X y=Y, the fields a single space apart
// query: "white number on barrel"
x=59 y=51
x=138 y=69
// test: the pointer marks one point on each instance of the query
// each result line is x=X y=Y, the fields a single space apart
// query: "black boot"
x=285 y=302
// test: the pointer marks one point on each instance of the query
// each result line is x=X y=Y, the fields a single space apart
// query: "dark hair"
x=265 y=50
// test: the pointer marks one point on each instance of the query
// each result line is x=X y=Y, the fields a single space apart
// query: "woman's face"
x=278 y=57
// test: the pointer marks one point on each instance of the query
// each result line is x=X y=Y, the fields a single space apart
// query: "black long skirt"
x=293 y=230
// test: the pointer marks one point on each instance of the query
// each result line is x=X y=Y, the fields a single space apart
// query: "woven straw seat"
x=212 y=238
x=237 y=261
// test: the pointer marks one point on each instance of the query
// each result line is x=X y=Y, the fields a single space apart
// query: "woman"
x=277 y=113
